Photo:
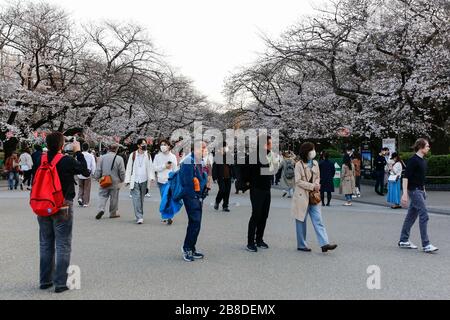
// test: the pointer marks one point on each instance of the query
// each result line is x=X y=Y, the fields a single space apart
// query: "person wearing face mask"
x=164 y=163
x=258 y=178
x=307 y=180
x=139 y=175
x=222 y=173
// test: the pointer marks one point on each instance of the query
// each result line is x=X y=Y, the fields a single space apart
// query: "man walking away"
x=84 y=183
x=380 y=164
x=138 y=177
x=222 y=173
x=260 y=196
x=110 y=164
x=414 y=190
x=55 y=232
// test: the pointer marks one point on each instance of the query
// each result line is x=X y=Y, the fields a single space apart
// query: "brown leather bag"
x=106 y=181
x=314 y=196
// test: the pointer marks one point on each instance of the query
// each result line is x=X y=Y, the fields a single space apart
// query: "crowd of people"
x=306 y=181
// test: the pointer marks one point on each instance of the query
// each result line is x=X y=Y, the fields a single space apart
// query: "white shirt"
x=397 y=169
x=140 y=168
x=91 y=164
x=159 y=164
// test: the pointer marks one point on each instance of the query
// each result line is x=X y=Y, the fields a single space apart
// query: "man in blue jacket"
x=194 y=179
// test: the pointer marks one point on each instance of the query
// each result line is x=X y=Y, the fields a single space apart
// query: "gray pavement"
x=121 y=260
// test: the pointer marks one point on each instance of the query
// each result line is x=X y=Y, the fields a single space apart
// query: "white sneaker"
x=164 y=221
x=430 y=249
x=148 y=195
x=131 y=196
x=407 y=245
x=85 y=205
x=348 y=204
x=140 y=221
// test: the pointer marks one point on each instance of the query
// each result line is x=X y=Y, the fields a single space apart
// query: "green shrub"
x=439 y=166
x=334 y=154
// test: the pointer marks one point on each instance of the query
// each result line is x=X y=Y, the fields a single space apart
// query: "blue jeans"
x=316 y=219
x=161 y=188
x=417 y=208
x=194 y=211
x=348 y=197
x=13 y=180
x=55 y=232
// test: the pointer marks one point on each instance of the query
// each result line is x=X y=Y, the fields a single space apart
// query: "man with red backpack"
x=56 y=196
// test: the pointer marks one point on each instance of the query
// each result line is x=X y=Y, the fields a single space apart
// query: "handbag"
x=106 y=181
x=314 y=196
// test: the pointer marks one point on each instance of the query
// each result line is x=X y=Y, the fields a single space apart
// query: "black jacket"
x=67 y=168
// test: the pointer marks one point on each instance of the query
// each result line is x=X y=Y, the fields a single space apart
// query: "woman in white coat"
x=307 y=180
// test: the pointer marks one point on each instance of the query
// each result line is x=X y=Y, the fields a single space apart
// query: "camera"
x=68 y=146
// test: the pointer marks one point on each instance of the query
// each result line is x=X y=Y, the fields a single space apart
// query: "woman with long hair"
x=347 y=180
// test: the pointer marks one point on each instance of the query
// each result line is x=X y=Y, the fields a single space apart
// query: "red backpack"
x=47 y=197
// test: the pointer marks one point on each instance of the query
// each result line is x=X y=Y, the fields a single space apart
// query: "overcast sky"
x=205 y=39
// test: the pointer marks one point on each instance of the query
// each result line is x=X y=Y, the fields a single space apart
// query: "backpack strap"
x=56 y=159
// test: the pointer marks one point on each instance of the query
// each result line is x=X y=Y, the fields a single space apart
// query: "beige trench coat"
x=300 y=201
x=347 y=180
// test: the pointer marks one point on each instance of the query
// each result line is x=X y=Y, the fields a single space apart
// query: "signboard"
x=390 y=144
x=366 y=160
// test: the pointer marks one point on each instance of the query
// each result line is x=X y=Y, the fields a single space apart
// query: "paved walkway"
x=121 y=260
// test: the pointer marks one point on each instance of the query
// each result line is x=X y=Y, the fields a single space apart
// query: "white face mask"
x=312 y=154
x=164 y=148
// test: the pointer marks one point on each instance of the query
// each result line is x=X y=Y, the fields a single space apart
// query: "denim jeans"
x=55 y=232
x=194 y=211
x=13 y=180
x=161 y=188
x=138 y=195
x=348 y=197
x=417 y=208
x=316 y=219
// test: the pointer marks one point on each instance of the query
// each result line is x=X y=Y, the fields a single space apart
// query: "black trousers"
x=260 y=212
x=224 y=192
x=322 y=195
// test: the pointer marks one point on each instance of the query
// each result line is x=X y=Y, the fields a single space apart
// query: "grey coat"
x=117 y=173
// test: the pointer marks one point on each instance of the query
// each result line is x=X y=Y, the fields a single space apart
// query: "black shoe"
x=304 y=249
x=329 y=247
x=61 y=289
x=169 y=222
x=80 y=202
x=262 y=245
x=198 y=255
x=216 y=206
x=328 y=204
x=99 y=215
x=252 y=248
x=45 y=286
x=226 y=209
